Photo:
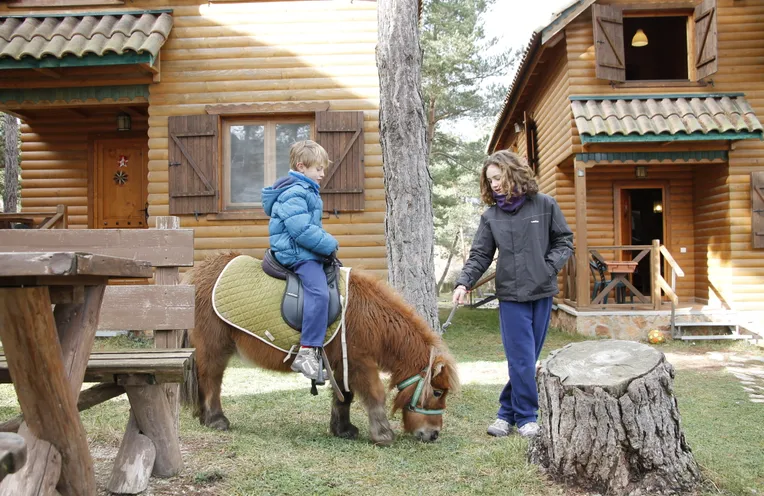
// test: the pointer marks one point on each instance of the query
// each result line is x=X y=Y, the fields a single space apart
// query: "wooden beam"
x=132 y=111
x=582 y=248
x=267 y=108
x=152 y=69
x=18 y=4
x=48 y=72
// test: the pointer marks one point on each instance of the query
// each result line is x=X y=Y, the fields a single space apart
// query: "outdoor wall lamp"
x=657 y=207
x=518 y=128
x=639 y=39
x=123 y=122
x=640 y=171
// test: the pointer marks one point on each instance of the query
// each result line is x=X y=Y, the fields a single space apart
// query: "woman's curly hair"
x=517 y=176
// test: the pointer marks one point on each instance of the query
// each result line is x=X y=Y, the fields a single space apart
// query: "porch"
x=613 y=308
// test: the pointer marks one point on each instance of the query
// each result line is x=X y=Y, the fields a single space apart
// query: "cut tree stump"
x=610 y=421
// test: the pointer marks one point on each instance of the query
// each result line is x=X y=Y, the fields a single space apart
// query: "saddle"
x=292 y=300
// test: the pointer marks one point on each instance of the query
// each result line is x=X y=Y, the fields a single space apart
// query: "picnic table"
x=47 y=353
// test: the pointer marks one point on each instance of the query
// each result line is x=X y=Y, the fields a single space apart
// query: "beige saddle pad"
x=249 y=299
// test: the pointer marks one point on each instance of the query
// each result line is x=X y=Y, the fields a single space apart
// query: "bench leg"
x=40 y=473
x=45 y=394
x=134 y=463
x=154 y=416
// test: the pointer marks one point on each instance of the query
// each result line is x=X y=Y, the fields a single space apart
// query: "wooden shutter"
x=608 y=42
x=757 y=208
x=706 y=42
x=341 y=134
x=531 y=143
x=193 y=164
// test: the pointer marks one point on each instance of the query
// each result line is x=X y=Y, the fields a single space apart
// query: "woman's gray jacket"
x=534 y=243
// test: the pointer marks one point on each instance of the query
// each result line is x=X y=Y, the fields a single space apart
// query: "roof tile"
x=38 y=37
x=670 y=115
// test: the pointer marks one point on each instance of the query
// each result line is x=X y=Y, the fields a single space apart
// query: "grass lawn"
x=279 y=441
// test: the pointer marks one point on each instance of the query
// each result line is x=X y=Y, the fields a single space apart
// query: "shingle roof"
x=78 y=35
x=664 y=115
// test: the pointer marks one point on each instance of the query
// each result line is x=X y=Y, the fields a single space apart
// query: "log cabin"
x=136 y=109
x=642 y=118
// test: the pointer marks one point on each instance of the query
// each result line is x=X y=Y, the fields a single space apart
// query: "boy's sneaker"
x=306 y=362
x=499 y=428
x=530 y=429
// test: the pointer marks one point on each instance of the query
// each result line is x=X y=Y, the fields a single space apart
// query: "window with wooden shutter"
x=341 y=134
x=256 y=153
x=608 y=42
x=757 y=208
x=531 y=143
x=706 y=42
x=193 y=164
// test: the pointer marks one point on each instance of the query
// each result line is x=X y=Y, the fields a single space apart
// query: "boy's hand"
x=459 y=293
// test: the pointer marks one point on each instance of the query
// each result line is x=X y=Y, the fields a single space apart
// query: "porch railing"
x=35 y=220
x=620 y=267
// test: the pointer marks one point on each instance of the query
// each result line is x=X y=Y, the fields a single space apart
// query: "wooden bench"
x=151 y=378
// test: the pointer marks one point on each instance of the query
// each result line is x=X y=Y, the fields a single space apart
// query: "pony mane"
x=410 y=346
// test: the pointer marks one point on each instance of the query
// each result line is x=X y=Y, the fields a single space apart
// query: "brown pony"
x=383 y=333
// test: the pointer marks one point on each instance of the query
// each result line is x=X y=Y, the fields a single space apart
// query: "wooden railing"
x=36 y=220
x=658 y=287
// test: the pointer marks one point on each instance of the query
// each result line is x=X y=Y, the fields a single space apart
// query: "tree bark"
x=408 y=186
x=10 y=196
x=610 y=422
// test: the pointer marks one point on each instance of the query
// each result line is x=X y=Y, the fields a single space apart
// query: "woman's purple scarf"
x=511 y=205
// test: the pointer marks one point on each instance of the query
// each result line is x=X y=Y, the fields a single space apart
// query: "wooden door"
x=121 y=170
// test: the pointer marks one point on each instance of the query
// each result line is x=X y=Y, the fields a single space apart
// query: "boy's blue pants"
x=315 y=294
x=523 y=330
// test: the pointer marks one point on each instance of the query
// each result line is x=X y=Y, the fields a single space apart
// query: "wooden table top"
x=38 y=264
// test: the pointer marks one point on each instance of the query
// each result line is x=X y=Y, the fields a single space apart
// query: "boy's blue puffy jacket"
x=295 y=229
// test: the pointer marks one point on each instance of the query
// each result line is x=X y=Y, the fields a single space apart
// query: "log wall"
x=248 y=52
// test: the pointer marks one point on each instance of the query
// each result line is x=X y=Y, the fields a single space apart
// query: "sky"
x=512 y=26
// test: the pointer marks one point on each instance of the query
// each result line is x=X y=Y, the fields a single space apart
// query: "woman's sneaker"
x=499 y=428
x=306 y=362
x=530 y=429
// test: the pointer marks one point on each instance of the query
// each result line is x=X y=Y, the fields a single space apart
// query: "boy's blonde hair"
x=309 y=153
x=515 y=172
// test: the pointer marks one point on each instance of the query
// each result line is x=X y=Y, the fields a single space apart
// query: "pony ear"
x=437 y=367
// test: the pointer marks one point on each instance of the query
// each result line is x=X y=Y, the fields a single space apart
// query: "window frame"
x=656 y=11
x=269 y=122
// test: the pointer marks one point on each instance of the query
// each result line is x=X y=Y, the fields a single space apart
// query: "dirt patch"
x=192 y=480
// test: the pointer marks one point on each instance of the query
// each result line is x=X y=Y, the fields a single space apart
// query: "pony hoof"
x=384 y=438
x=350 y=433
x=218 y=422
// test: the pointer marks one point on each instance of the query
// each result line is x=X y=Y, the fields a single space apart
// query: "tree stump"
x=610 y=422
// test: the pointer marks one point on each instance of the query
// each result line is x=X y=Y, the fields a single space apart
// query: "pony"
x=382 y=333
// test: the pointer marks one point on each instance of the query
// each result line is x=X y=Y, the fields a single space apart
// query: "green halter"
x=417 y=393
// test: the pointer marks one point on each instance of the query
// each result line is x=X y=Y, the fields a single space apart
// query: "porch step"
x=733 y=327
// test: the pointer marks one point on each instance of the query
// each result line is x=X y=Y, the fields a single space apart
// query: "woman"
x=534 y=242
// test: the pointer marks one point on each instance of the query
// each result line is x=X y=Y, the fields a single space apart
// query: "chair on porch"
x=599 y=274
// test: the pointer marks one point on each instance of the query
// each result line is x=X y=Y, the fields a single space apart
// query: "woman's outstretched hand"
x=459 y=293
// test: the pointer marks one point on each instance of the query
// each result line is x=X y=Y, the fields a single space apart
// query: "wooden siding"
x=736 y=270
x=228 y=53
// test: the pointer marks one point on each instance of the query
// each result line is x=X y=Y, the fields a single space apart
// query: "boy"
x=299 y=242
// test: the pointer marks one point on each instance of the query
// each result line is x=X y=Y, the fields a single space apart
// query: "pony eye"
x=437 y=393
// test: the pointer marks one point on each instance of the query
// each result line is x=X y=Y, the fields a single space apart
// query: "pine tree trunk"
x=10 y=196
x=409 y=230
x=610 y=422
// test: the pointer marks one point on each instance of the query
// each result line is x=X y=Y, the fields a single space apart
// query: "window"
x=664 y=56
x=681 y=44
x=255 y=154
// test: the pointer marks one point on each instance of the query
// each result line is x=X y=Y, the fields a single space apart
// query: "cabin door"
x=641 y=215
x=121 y=176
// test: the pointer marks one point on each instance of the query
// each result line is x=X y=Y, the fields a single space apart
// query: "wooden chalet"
x=137 y=109
x=642 y=118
